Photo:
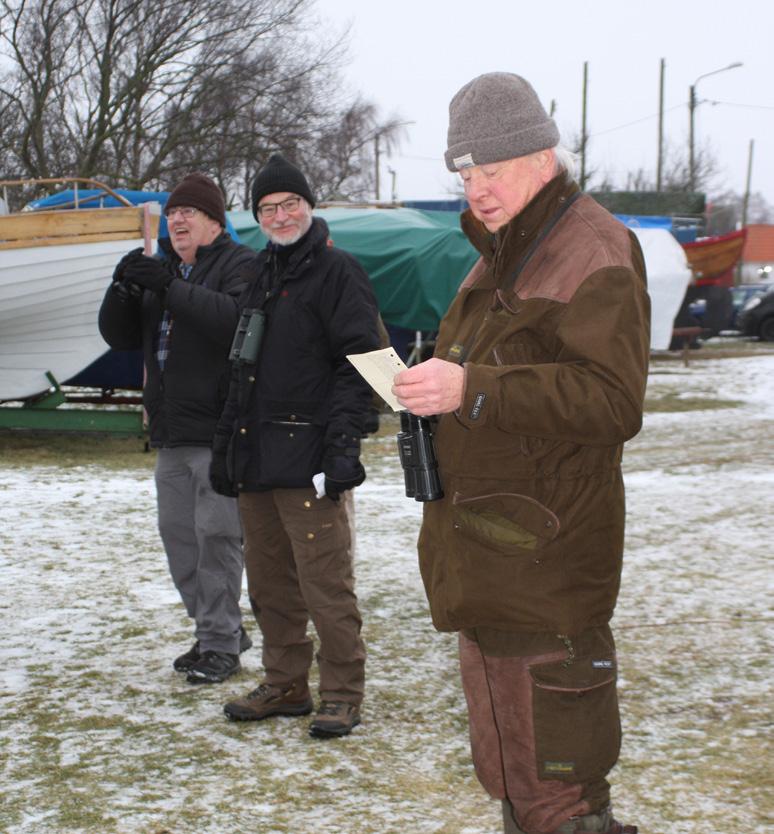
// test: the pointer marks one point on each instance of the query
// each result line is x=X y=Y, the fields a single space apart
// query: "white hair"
x=566 y=160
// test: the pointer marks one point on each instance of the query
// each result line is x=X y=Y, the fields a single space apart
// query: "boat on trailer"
x=55 y=266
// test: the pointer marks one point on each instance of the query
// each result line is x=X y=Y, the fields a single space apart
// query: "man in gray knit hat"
x=537 y=380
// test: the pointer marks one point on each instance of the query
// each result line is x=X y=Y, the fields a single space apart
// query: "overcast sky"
x=411 y=56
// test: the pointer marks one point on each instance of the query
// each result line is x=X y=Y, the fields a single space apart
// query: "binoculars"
x=248 y=336
x=417 y=457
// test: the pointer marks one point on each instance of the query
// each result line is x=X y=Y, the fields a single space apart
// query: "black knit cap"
x=280 y=175
x=201 y=192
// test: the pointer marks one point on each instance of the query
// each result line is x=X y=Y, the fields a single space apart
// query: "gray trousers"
x=203 y=541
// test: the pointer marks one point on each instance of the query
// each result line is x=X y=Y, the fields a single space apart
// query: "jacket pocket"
x=509 y=353
x=290 y=451
x=575 y=718
x=506 y=522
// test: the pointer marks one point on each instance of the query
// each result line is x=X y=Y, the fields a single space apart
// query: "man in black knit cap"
x=297 y=409
x=182 y=310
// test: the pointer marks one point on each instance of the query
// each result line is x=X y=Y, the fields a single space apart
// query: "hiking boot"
x=599 y=823
x=334 y=718
x=185 y=662
x=267 y=700
x=213 y=667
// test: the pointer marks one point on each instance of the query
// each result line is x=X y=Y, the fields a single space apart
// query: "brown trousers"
x=298 y=561
x=502 y=716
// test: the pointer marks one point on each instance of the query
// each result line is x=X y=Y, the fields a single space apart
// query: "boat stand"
x=57 y=411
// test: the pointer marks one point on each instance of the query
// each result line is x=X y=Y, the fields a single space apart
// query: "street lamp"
x=691 y=108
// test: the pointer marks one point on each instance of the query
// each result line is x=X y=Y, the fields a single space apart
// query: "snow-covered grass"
x=98 y=734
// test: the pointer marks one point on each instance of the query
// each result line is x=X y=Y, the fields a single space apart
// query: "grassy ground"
x=97 y=734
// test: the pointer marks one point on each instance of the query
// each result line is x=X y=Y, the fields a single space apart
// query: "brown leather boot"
x=267 y=700
x=334 y=719
x=599 y=823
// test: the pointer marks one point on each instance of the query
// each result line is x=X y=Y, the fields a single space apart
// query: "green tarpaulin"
x=415 y=259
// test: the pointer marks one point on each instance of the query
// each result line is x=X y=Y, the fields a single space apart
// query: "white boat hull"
x=49 y=301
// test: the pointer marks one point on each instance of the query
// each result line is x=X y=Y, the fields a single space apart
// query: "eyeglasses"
x=185 y=211
x=288 y=206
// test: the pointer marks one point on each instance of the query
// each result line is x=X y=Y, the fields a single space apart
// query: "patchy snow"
x=97 y=733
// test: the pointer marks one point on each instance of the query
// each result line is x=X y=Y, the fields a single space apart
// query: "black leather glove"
x=150 y=273
x=118 y=272
x=219 y=479
x=120 y=286
x=342 y=468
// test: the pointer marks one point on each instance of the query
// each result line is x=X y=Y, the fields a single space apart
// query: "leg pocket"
x=575 y=715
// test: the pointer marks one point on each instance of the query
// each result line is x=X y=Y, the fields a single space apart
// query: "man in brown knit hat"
x=181 y=309
x=538 y=378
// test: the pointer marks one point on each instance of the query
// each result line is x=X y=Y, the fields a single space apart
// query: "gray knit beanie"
x=494 y=117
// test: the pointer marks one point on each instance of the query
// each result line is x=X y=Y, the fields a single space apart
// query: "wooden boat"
x=54 y=269
x=712 y=259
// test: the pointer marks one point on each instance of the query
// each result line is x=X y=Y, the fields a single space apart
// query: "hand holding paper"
x=378 y=368
x=432 y=387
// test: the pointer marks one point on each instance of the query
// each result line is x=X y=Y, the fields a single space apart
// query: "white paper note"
x=378 y=367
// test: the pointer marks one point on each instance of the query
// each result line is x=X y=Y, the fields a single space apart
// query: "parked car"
x=707 y=309
x=741 y=295
x=756 y=318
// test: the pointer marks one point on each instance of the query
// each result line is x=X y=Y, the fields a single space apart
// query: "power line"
x=678 y=106
x=635 y=122
x=736 y=104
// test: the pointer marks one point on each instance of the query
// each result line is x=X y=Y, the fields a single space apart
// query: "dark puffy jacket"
x=302 y=394
x=185 y=400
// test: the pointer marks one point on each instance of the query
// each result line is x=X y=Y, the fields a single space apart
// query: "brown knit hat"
x=201 y=192
x=494 y=117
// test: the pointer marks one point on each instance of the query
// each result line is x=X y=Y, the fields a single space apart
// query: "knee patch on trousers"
x=575 y=717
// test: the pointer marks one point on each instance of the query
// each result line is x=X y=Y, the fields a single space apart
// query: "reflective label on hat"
x=464 y=161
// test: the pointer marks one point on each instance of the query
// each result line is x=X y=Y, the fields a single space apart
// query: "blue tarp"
x=94 y=198
x=643 y=221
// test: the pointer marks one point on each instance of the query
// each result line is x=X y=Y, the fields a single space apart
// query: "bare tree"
x=676 y=173
x=137 y=92
x=725 y=210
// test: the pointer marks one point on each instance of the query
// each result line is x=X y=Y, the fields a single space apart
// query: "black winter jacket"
x=302 y=395
x=185 y=400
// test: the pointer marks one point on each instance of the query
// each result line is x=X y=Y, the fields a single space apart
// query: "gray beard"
x=288 y=241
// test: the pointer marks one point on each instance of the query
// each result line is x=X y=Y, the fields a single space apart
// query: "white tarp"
x=668 y=278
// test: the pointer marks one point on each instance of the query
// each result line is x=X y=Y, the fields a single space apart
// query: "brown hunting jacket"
x=529 y=534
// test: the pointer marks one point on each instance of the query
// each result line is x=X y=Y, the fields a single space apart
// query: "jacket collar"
x=511 y=240
x=315 y=238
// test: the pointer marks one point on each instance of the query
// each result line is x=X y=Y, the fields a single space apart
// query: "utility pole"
x=691 y=110
x=745 y=205
x=376 y=166
x=583 y=126
x=660 y=158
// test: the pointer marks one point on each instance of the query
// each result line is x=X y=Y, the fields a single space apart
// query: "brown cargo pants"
x=298 y=561
x=544 y=729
